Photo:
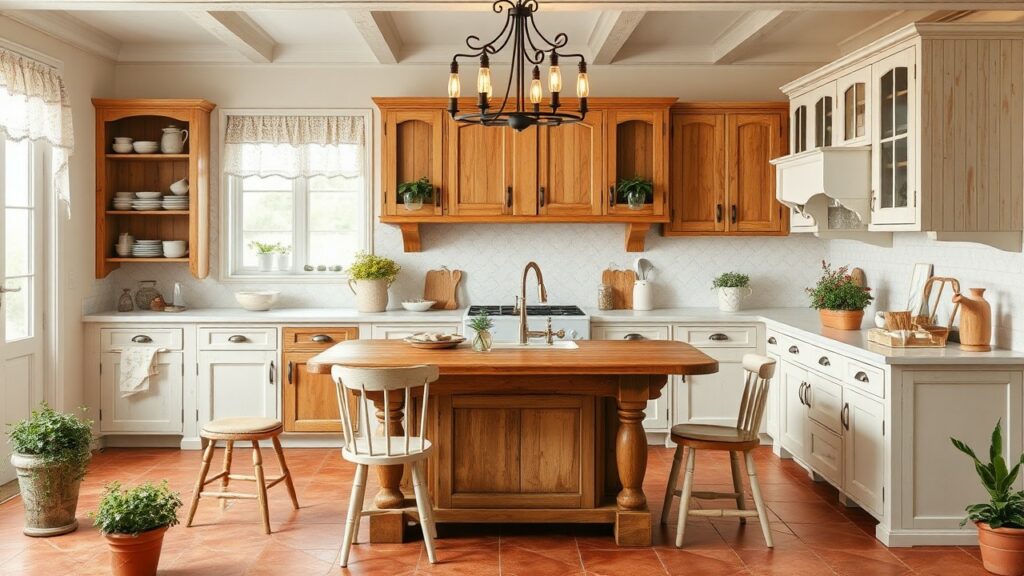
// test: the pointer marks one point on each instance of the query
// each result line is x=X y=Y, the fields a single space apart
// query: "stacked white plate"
x=175 y=202
x=123 y=200
x=147 y=204
x=147 y=249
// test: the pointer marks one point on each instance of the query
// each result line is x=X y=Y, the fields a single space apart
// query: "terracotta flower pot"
x=49 y=495
x=136 y=555
x=841 y=319
x=1002 y=549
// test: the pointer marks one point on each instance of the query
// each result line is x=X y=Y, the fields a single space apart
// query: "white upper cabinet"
x=894 y=189
x=853 y=123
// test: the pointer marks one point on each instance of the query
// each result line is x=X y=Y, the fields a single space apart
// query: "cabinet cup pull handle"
x=237 y=339
x=794 y=350
x=718 y=212
x=718 y=337
x=142 y=339
x=732 y=213
x=807 y=395
x=634 y=336
x=541 y=196
x=772 y=340
x=844 y=416
x=824 y=361
x=321 y=338
x=861 y=377
x=290 y=363
x=272 y=370
x=800 y=394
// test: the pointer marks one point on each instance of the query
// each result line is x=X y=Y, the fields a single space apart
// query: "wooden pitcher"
x=975 y=320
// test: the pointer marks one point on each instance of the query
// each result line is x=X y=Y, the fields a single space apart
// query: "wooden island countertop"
x=528 y=435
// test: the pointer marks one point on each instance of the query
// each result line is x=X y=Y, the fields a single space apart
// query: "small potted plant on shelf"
x=414 y=193
x=134 y=522
x=1000 y=521
x=637 y=191
x=369 y=277
x=266 y=253
x=732 y=288
x=284 y=257
x=481 y=325
x=839 y=300
x=51 y=453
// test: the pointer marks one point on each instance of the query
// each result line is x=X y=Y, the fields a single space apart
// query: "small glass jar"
x=145 y=294
x=125 y=303
x=605 y=297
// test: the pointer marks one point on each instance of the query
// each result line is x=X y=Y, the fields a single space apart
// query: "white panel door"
x=237 y=384
x=772 y=411
x=157 y=410
x=864 y=449
x=22 y=181
x=656 y=415
x=794 y=412
x=713 y=398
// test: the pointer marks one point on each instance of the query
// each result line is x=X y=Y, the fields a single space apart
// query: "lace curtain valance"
x=34 y=105
x=294 y=146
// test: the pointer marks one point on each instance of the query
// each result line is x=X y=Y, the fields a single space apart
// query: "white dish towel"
x=138 y=363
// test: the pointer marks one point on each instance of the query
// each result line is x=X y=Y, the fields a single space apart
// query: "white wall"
x=86 y=77
x=491 y=255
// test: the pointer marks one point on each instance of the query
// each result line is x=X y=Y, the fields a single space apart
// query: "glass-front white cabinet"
x=853 y=125
x=894 y=193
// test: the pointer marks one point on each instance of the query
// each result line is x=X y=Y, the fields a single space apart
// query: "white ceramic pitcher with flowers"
x=173 y=140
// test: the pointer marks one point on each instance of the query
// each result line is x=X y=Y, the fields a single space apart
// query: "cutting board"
x=621 y=282
x=441 y=286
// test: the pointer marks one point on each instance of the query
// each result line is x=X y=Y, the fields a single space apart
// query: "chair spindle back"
x=759 y=371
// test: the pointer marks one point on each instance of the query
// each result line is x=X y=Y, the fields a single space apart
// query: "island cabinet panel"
x=309 y=401
x=413 y=149
x=571 y=168
x=480 y=164
x=533 y=451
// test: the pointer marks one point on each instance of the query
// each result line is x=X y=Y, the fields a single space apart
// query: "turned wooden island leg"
x=633 y=519
x=388 y=528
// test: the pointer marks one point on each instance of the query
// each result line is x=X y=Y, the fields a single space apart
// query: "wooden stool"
x=739 y=439
x=233 y=430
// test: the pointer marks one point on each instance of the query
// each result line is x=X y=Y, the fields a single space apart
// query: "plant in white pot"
x=369 y=277
x=414 y=193
x=134 y=522
x=284 y=257
x=732 y=288
x=266 y=255
x=50 y=454
x=1000 y=521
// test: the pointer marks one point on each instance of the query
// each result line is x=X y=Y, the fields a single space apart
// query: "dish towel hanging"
x=138 y=363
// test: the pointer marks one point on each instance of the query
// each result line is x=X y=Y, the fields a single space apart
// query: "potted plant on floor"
x=481 y=325
x=134 y=522
x=414 y=193
x=1000 y=521
x=839 y=300
x=50 y=456
x=266 y=254
x=369 y=277
x=637 y=191
x=732 y=288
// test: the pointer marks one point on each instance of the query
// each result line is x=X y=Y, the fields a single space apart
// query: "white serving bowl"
x=257 y=301
x=145 y=146
x=180 y=188
x=418 y=305
x=123 y=148
x=149 y=195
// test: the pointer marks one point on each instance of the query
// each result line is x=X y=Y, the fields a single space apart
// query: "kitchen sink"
x=559 y=345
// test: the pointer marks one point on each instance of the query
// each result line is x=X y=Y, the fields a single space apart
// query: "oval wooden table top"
x=592 y=357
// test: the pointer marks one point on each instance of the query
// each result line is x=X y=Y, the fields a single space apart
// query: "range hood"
x=833 y=177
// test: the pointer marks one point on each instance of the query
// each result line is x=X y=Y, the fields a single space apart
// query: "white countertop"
x=276 y=316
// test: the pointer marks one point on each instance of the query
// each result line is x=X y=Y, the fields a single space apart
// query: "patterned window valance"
x=294 y=146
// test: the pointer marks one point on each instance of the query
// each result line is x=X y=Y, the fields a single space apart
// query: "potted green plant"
x=369 y=277
x=839 y=300
x=732 y=288
x=481 y=325
x=414 y=193
x=1000 y=521
x=637 y=191
x=284 y=257
x=134 y=522
x=50 y=454
x=265 y=254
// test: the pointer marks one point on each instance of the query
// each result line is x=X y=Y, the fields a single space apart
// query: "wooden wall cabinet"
x=144 y=119
x=572 y=168
x=637 y=146
x=413 y=149
x=309 y=402
x=721 y=182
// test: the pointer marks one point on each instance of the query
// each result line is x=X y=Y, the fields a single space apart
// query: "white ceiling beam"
x=380 y=33
x=238 y=31
x=70 y=30
x=612 y=30
x=485 y=5
x=745 y=32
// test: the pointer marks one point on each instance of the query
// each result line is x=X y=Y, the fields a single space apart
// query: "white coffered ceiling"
x=422 y=32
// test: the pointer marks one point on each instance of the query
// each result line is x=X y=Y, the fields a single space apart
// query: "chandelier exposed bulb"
x=536 y=90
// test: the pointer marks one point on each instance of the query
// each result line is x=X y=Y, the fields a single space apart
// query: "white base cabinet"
x=237 y=384
x=864 y=451
x=157 y=410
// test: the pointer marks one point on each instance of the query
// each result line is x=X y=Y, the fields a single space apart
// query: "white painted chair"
x=741 y=438
x=369 y=449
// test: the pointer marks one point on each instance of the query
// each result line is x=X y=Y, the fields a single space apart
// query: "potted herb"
x=415 y=192
x=369 y=278
x=482 y=325
x=265 y=254
x=839 y=300
x=732 y=288
x=51 y=453
x=134 y=522
x=637 y=191
x=1000 y=521
x=284 y=257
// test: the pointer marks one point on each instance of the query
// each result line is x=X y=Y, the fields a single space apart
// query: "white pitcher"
x=173 y=140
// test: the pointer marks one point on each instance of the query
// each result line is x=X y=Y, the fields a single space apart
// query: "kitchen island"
x=530 y=434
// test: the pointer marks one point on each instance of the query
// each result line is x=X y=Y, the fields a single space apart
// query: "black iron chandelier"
x=521 y=30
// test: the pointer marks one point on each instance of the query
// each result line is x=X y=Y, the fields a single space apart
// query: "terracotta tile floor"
x=814 y=535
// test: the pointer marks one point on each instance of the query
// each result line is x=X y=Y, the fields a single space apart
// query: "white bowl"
x=123 y=148
x=149 y=195
x=145 y=147
x=257 y=301
x=418 y=305
x=180 y=188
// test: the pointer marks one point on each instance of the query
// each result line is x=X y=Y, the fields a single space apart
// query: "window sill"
x=271 y=278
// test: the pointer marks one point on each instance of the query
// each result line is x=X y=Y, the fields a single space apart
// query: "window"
x=300 y=184
x=21 y=164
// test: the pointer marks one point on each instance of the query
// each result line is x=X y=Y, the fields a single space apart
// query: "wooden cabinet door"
x=310 y=400
x=864 y=450
x=479 y=178
x=571 y=162
x=636 y=147
x=413 y=148
x=697 y=173
x=753 y=140
x=157 y=410
x=237 y=384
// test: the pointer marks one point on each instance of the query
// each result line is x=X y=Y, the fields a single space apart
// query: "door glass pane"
x=18 y=308
x=886 y=104
x=900 y=173
x=800 y=129
x=827 y=122
x=18 y=242
x=849 y=102
x=900 y=106
x=887 y=172
x=17 y=173
x=861 y=108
